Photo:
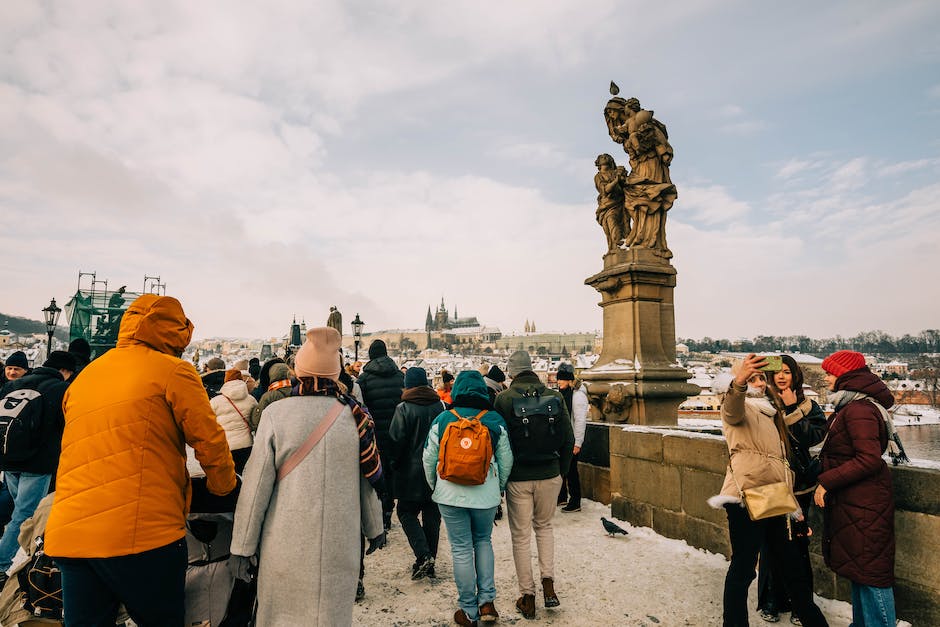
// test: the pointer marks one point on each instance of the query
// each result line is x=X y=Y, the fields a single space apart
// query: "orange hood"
x=158 y=322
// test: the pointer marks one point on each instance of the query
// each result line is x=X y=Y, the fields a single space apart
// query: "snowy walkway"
x=640 y=579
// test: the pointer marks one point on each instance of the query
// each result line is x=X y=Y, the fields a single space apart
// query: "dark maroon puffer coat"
x=858 y=542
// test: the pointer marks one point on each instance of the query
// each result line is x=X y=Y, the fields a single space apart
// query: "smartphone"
x=774 y=363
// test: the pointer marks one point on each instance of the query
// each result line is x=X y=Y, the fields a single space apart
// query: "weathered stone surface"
x=649 y=482
x=917 y=556
x=697 y=487
x=917 y=604
x=617 y=473
x=696 y=452
x=595 y=483
x=596 y=447
x=917 y=489
x=668 y=523
x=705 y=535
x=642 y=445
x=639 y=514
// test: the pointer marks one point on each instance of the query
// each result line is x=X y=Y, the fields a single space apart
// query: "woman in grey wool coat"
x=305 y=528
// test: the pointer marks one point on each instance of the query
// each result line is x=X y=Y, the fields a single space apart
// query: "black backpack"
x=41 y=585
x=20 y=425
x=534 y=429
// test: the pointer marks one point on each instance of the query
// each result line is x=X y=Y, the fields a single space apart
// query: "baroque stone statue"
x=335 y=319
x=609 y=181
x=647 y=190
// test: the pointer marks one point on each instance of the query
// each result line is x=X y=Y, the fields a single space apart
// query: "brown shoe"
x=548 y=590
x=526 y=605
x=461 y=618
x=488 y=613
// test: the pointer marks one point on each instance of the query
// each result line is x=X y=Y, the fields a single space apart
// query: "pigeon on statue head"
x=611 y=528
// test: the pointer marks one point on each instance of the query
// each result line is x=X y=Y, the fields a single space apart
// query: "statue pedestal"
x=636 y=378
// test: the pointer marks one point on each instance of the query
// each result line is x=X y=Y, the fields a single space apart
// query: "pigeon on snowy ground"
x=611 y=528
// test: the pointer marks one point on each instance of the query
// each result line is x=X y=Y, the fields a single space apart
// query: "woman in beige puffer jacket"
x=232 y=407
x=755 y=433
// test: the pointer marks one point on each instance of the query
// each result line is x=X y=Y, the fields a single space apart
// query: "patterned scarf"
x=370 y=464
x=283 y=383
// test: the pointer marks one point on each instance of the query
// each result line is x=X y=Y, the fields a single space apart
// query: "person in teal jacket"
x=468 y=510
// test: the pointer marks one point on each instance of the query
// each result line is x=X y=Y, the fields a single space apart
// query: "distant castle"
x=441 y=320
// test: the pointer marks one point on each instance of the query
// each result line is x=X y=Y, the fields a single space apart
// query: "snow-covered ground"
x=639 y=579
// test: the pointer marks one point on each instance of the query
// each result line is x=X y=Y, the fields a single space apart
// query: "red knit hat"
x=840 y=362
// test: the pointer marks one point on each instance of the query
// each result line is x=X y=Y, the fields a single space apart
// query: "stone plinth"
x=636 y=378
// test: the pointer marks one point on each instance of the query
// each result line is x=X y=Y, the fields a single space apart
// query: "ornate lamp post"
x=357 y=325
x=51 y=315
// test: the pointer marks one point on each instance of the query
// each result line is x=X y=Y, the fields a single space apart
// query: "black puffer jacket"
x=407 y=436
x=381 y=383
x=49 y=383
x=806 y=424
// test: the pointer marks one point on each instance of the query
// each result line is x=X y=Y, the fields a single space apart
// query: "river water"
x=921 y=441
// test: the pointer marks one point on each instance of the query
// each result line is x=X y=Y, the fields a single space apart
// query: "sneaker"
x=562 y=501
x=770 y=617
x=360 y=592
x=431 y=573
x=795 y=620
x=421 y=567
x=461 y=618
x=526 y=605
x=571 y=507
x=488 y=613
x=548 y=592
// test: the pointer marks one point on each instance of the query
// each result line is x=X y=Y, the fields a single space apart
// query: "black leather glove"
x=376 y=543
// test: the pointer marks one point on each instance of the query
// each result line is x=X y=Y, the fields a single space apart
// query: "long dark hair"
x=796 y=383
x=782 y=429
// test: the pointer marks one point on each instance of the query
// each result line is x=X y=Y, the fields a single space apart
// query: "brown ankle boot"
x=548 y=590
x=526 y=605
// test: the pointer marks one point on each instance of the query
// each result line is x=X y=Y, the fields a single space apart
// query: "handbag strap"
x=240 y=414
x=298 y=456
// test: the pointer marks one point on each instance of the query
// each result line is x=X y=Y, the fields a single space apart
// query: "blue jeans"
x=27 y=489
x=872 y=607
x=469 y=531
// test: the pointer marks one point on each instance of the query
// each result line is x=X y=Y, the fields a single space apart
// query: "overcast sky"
x=271 y=159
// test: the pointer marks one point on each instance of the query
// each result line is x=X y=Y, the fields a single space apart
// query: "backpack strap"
x=477 y=417
x=240 y=414
x=298 y=456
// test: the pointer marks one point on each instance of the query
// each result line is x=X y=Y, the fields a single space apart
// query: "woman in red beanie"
x=855 y=488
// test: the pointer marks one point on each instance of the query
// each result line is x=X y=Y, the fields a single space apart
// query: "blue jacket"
x=469 y=384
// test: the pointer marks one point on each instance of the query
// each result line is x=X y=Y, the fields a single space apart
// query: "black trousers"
x=771 y=595
x=149 y=584
x=422 y=535
x=747 y=537
x=571 y=485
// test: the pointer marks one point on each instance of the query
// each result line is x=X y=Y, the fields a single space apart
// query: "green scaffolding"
x=95 y=314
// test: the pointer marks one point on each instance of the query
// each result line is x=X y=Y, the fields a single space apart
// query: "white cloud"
x=711 y=205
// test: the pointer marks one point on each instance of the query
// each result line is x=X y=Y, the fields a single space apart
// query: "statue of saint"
x=648 y=189
x=335 y=319
x=610 y=212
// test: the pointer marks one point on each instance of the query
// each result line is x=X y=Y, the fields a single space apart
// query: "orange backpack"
x=466 y=451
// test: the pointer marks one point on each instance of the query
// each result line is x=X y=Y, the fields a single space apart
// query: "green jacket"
x=526 y=382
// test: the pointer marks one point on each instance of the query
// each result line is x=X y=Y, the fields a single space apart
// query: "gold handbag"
x=772 y=499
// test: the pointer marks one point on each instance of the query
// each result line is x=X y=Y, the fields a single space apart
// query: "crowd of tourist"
x=310 y=458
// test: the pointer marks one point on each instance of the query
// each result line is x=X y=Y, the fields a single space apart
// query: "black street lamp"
x=357 y=325
x=51 y=315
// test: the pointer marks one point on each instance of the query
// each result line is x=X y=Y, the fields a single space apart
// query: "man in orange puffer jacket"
x=117 y=525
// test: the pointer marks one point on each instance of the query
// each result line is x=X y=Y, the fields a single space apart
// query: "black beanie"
x=377 y=349
x=495 y=374
x=81 y=350
x=60 y=360
x=17 y=358
x=565 y=372
x=446 y=376
x=415 y=377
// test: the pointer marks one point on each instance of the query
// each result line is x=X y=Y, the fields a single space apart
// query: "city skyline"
x=266 y=161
